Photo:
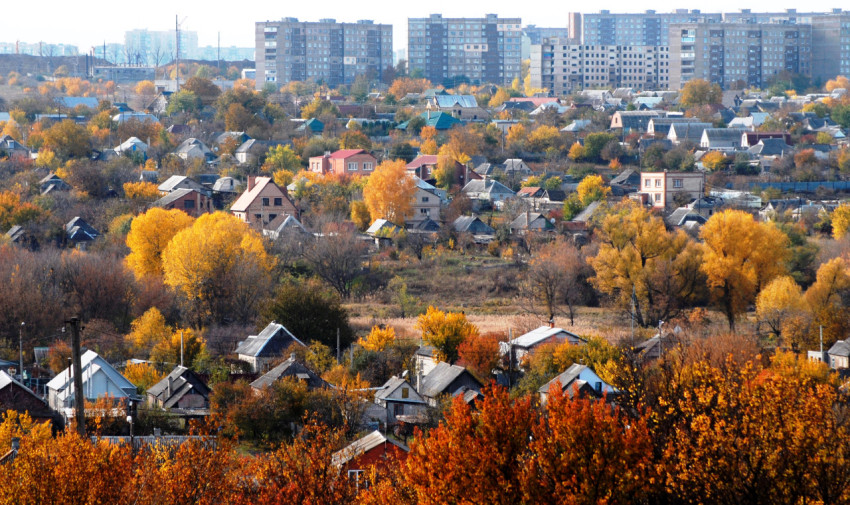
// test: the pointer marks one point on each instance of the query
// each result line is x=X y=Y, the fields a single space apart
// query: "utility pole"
x=21 y=350
x=337 y=345
x=79 y=400
x=181 y=348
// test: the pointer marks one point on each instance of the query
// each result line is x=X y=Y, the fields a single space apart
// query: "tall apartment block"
x=831 y=45
x=563 y=67
x=483 y=50
x=738 y=53
x=645 y=29
x=533 y=34
x=324 y=51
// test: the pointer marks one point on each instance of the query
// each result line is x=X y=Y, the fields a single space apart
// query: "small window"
x=405 y=392
x=367 y=167
x=188 y=204
x=258 y=216
x=424 y=199
x=647 y=183
x=265 y=202
x=657 y=183
x=278 y=202
x=272 y=217
x=352 y=166
x=398 y=409
x=657 y=197
x=677 y=183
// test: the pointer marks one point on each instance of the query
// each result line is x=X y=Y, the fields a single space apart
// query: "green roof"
x=439 y=120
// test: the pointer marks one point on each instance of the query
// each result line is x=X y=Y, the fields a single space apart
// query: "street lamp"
x=21 y=351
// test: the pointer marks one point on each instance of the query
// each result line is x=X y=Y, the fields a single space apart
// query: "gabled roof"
x=347 y=153
x=7 y=380
x=173 y=197
x=771 y=147
x=91 y=363
x=440 y=378
x=392 y=385
x=840 y=348
x=72 y=101
x=426 y=224
x=577 y=125
x=182 y=381
x=540 y=334
x=438 y=120
x=423 y=159
x=78 y=230
x=313 y=125
x=531 y=221
x=489 y=186
x=690 y=131
x=733 y=134
x=449 y=101
x=284 y=223
x=273 y=340
x=290 y=368
x=382 y=224
x=569 y=381
x=224 y=185
x=363 y=445
x=472 y=224
x=132 y=144
x=247 y=198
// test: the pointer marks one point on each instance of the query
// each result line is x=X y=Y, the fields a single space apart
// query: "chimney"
x=170 y=384
x=552 y=322
x=251 y=181
x=292 y=356
x=429 y=114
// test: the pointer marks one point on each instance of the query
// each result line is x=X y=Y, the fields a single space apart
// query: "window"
x=657 y=197
x=424 y=199
x=677 y=183
x=398 y=409
x=657 y=183
x=188 y=204
x=272 y=217
x=647 y=183
x=367 y=166
x=352 y=166
x=278 y=202
x=265 y=202
x=405 y=393
x=258 y=216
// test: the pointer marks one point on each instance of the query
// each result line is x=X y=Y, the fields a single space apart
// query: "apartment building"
x=831 y=45
x=324 y=51
x=738 y=54
x=480 y=50
x=563 y=67
x=649 y=28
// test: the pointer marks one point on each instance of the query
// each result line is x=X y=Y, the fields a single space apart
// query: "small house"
x=400 y=399
x=293 y=370
x=370 y=452
x=100 y=379
x=528 y=342
x=473 y=225
x=577 y=380
x=190 y=201
x=260 y=351
x=182 y=390
x=79 y=233
x=262 y=202
x=446 y=379
x=15 y=396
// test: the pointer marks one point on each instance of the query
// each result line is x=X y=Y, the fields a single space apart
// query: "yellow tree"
x=780 y=300
x=740 y=256
x=501 y=96
x=142 y=375
x=825 y=299
x=378 y=339
x=591 y=189
x=148 y=330
x=360 y=215
x=389 y=192
x=149 y=235
x=640 y=260
x=219 y=265
x=699 y=92
x=715 y=161
x=169 y=350
x=577 y=152
x=141 y=191
x=445 y=331
x=840 y=221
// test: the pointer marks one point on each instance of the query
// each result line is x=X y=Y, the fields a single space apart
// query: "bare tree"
x=557 y=275
x=337 y=258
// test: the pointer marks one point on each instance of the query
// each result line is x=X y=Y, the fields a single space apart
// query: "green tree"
x=311 y=313
x=184 y=101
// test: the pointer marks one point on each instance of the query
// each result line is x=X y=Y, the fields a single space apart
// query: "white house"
x=526 y=343
x=100 y=379
x=578 y=379
x=400 y=398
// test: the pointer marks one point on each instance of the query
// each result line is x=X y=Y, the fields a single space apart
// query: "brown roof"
x=245 y=199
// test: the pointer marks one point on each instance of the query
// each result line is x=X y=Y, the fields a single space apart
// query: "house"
x=446 y=379
x=71 y=102
x=528 y=342
x=263 y=349
x=463 y=107
x=628 y=177
x=367 y=454
x=19 y=235
x=577 y=379
x=635 y=120
x=686 y=132
x=721 y=139
x=839 y=355
x=577 y=125
x=283 y=226
x=182 y=389
x=440 y=121
x=79 y=232
x=400 y=399
x=426 y=202
x=423 y=166
x=253 y=151
x=224 y=185
x=531 y=222
x=262 y=202
x=53 y=182
x=15 y=396
x=751 y=122
x=100 y=379
x=123 y=117
x=424 y=358
x=662 y=125
x=12 y=148
x=176 y=182
x=488 y=190
x=664 y=189
x=190 y=201
x=382 y=228
x=312 y=126
x=293 y=370
x=132 y=145
x=750 y=139
x=344 y=161
x=192 y=149
x=473 y=225
x=219 y=138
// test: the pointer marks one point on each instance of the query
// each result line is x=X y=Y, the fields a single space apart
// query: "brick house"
x=662 y=188
x=262 y=202
x=344 y=161
x=190 y=201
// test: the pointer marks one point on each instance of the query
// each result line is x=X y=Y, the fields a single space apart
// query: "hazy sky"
x=92 y=22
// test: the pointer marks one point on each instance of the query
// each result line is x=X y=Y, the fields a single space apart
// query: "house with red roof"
x=344 y=161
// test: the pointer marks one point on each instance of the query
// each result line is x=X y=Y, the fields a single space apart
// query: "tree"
x=715 y=161
x=592 y=189
x=544 y=137
x=400 y=88
x=826 y=299
x=360 y=215
x=480 y=353
x=146 y=191
x=14 y=212
x=644 y=266
x=238 y=118
x=204 y=89
x=353 y=139
x=142 y=375
x=183 y=101
x=577 y=152
x=145 y=88
x=389 y=192
x=594 y=144
x=839 y=82
x=183 y=343
x=282 y=157
x=445 y=332
x=219 y=265
x=319 y=107
x=840 y=221
x=556 y=275
x=149 y=235
x=780 y=300
x=740 y=256
x=337 y=258
x=310 y=312
x=148 y=330
x=68 y=140
x=378 y=339
x=699 y=92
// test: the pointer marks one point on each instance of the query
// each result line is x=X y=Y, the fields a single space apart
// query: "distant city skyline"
x=99 y=21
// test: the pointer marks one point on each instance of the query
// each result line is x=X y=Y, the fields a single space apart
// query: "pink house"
x=344 y=161
x=262 y=202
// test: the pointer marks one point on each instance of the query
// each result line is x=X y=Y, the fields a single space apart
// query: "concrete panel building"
x=831 y=45
x=450 y=50
x=324 y=51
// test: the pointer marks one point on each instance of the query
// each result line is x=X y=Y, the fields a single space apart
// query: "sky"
x=89 y=23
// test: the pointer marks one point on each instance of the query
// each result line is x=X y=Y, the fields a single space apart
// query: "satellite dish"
x=552 y=220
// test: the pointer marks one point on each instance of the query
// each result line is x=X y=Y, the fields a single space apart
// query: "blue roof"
x=73 y=101
x=449 y=101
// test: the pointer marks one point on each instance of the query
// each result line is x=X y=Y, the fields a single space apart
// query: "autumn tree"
x=149 y=235
x=282 y=157
x=715 y=161
x=378 y=339
x=740 y=256
x=204 y=89
x=556 y=275
x=825 y=299
x=403 y=86
x=592 y=189
x=699 y=92
x=68 y=140
x=840 y=221
x=780 y=300
x=311 y=312
x=353 y=139
x=142 y=375
x=217 y=265
x=389 y=192
x=480 y=353
x=445 y=332
x=14 y=212
x=183 y=344
x=648 y=270
x=145 y=191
